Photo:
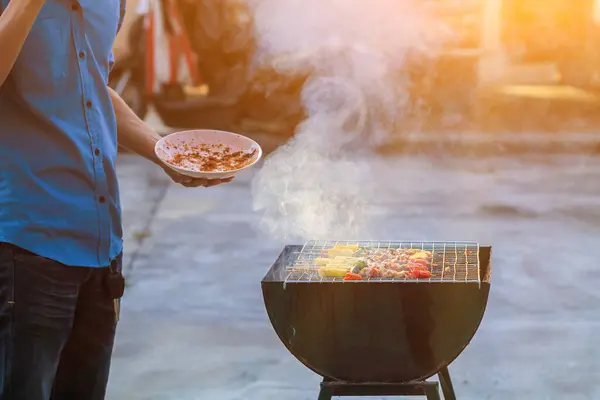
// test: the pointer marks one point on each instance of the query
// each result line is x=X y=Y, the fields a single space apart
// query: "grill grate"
x=450 y=261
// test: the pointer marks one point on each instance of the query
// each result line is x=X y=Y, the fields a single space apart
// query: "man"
x=60 y=222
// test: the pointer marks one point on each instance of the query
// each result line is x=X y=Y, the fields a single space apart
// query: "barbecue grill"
x=380 y=335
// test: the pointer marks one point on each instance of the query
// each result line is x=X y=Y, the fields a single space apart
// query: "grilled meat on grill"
x=352 y=262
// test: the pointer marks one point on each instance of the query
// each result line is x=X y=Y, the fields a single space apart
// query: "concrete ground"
x=193 y=322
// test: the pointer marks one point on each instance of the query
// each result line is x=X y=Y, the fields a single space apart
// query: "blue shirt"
x=59 y=196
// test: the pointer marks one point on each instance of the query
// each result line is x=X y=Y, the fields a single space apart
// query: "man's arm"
x=15 y=23
x=135 y=135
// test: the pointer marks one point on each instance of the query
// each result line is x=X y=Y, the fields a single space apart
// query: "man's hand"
x=193 y=182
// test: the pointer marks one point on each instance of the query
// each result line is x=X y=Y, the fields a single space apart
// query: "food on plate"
x=352 y=262
x=210 y=157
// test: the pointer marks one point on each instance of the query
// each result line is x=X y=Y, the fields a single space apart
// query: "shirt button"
x=101 y=199
x=81 y=55
x=88 y=104
x=97 y=152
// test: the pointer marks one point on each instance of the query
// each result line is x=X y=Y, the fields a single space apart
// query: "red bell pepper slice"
x=420 y=273
x=352 y=277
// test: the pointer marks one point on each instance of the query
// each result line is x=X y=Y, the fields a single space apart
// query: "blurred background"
x=492 y=135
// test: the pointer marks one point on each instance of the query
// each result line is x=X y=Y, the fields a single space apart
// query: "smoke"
x=327 y=182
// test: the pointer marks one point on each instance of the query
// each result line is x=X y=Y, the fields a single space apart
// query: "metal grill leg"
x=432 y=392
x=325 y=393
x=446 y=383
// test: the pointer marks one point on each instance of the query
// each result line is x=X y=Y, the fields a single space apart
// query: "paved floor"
x=193 y=323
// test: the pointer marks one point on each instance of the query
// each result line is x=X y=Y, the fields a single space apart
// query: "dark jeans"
x=57 y=326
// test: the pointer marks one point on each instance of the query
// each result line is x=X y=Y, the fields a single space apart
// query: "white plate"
x=175 y=143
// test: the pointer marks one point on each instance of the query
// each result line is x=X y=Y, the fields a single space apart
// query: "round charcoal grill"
x=379 y=335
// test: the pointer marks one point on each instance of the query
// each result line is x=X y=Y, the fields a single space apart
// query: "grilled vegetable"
x=347 y=259
x=322 y=260
x=332 y=253
x=338 y=260
x=346 y=246
x=347 y=267
x=420 y=273
x=352 y=277
x=359 y=266
x=333 y=272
